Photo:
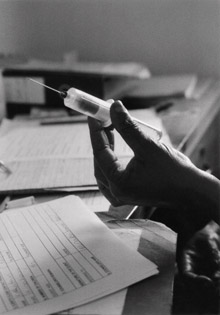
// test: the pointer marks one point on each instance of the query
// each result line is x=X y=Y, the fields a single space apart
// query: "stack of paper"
x=59 y=255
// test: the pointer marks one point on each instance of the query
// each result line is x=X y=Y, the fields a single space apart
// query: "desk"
x=157 y=243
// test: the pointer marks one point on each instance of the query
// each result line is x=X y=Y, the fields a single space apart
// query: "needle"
x=63 y=94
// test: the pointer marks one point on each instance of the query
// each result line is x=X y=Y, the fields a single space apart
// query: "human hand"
x=199 y=265
x=201 y=256
x=155 y=176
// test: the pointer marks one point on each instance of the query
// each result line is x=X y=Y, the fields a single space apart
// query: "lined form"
x=41 y=142
x=58 y=255
x=48 y=173
x=71 y=266
x=44 y=157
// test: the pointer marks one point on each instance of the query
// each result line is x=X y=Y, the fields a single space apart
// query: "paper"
x=59 y=255
x=47 y=173
x=112 y=304
x=57 y=156
x=42 y=142
x=95 y=201
x=60 y=141
x=54 y=141
x=45 y=157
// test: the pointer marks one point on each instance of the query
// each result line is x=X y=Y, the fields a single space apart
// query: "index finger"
x=104 y=155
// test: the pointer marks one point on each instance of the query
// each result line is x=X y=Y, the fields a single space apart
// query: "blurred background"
x=169 y=36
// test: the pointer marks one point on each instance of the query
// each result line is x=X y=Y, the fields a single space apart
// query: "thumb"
x=128 y=128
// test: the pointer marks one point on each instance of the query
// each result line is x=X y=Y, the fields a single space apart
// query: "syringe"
x=97 y=108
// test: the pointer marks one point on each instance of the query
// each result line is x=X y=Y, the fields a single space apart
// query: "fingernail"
x=119 y=107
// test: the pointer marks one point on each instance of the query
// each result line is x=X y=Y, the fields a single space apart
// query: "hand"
x=201 y=256
x=200 y=265
x=156 y=175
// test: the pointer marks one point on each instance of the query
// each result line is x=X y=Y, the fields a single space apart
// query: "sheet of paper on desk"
x=49 y=157
x=93 y=199
x=61 y=141
x=58 y=255
x=60 y=156
x=36 y=175
x=112 y=304
x=52 y=141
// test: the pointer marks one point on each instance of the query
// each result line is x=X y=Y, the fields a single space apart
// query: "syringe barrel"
x=95 y=107
x=88 y=105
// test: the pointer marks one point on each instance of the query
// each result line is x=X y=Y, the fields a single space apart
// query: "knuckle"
x=115 y=170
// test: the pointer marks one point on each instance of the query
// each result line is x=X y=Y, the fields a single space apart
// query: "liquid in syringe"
x=88 y=105
x=97 y=108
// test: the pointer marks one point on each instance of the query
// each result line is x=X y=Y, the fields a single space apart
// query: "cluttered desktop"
x=60 y=237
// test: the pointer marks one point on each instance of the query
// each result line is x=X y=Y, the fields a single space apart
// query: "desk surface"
x=157 y=243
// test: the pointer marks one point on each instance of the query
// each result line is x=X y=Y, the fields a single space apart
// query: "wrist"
x=202 y=195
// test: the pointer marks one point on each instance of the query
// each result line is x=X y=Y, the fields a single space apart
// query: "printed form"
x=58 y=255
x=42 y=157
x=112 y=304
x=46 y=157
